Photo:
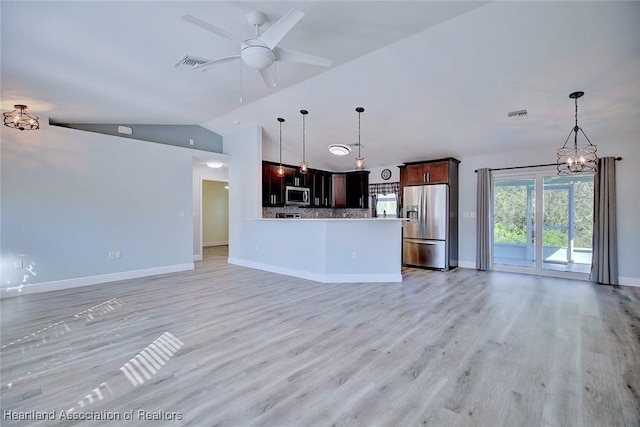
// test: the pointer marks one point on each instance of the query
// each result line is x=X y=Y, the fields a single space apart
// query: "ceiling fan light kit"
x=577 y=158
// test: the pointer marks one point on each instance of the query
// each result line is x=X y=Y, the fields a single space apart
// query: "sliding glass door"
x=542 y=222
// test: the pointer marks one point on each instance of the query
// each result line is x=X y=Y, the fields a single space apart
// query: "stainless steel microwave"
x=298 y=196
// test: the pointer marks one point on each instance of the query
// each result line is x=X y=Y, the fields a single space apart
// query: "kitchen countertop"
x=330 y=219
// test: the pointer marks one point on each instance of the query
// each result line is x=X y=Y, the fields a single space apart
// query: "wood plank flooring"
x=229 y=346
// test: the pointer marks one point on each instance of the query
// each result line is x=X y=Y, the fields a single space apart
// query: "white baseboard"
x=629 y=281
x=92 y=280
x=319 y=277
x=466 y=264
x=217 y=243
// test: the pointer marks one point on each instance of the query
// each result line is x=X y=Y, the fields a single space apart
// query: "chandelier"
x=21 y=119
x=575 y=158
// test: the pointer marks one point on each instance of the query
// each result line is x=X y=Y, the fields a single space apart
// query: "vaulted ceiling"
x=435 y=78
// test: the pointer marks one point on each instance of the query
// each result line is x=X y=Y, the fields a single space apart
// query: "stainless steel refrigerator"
x=427 y=238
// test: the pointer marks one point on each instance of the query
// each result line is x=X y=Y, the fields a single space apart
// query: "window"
x=386 y=205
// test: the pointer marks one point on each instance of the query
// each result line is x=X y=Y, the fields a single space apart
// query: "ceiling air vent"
x=520 y=114
x=190 y=61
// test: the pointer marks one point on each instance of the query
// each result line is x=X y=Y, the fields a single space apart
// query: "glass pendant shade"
x=359 y=163
x=577 y=157
x=304 y=167
x=280 y=171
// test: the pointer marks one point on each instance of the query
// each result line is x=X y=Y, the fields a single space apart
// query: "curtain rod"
x=531 y=166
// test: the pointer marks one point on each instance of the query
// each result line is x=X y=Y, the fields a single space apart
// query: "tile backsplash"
x=318 y=212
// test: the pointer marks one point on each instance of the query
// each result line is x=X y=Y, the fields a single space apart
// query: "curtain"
x=384 y=188
x=604 y=261
x=484 y=226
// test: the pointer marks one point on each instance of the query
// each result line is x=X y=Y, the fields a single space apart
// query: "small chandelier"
x=280 y=169
x=304 y=166
x=576 y=158
x=359 y=159
x=20 y=119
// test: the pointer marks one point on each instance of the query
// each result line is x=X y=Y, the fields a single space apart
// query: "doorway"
x=542 y=222
x=215 y=214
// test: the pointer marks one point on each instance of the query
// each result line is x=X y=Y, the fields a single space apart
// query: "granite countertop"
x=330 y=219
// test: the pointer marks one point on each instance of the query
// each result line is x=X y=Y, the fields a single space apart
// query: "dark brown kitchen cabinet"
x=339 y=190
x=357 y=189
x=441 y=171
x=321 y=185
x=425 y=173
x=294 y=178
x=272 y=185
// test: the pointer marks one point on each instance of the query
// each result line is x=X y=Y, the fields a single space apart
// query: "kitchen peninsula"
x=327 y=250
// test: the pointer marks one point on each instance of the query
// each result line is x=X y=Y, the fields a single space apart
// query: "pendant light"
x=574 y=159
x=359 y=159
x=304 y=166
x=280 y=169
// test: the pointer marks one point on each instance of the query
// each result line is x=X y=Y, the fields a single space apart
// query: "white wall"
x=245 y=185
x=628 y=198
x=375 y=178
x=70 y=197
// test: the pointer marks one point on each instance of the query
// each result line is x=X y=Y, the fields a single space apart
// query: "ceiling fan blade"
x=277 y=31
x=287 y=55
x=212 y=28
x=267 y=77
x=205 y=66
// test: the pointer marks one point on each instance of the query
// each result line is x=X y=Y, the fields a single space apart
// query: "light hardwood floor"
x=226 y=345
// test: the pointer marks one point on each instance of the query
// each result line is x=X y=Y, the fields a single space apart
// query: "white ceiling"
x=436 y=79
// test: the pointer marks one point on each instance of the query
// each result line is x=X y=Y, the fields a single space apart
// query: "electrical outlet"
x=118 y=254
x=112 y=255
x=18 y=265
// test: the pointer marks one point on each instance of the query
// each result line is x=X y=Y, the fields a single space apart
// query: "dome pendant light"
x=577 y=158
x=304 y=166
x=280 y=169
x=359 y=159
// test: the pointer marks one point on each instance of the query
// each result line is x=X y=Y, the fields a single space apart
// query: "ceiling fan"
x=261 y=50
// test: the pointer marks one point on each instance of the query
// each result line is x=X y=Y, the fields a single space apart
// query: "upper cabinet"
x=320 y=188
x=351 y=190
x=428 y=172
x=328 y=189
x=272 y=185
x=357 y=189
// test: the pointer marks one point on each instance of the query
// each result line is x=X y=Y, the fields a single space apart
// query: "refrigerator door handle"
x=423 y=207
